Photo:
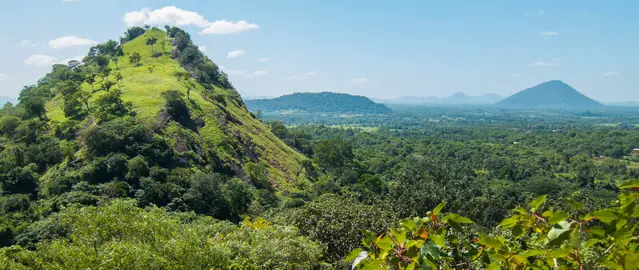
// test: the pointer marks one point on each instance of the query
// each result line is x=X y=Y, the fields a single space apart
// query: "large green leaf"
x=557 y=217
x=605 y=215
x=439 y=208
x=351 y=256
x=458 y=219
x=439 y=240
x=559 y=233
x=385 y=243
x=630 y=184
x=509 y=222
x=534 y=205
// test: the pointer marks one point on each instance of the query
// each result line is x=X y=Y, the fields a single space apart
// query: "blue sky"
x=373 y=48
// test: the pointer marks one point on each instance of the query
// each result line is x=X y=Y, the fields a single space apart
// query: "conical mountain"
x=551 y=94
x=155 y=102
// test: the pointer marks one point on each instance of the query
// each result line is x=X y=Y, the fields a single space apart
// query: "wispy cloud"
x=28 y=43
x=3 y=76
x=516 y=75
x=612 y=74
x=202 y=49
x=263 y=59
x=305 y=76
x=258 y=73
x=543 y=63
x=235 y=54
x=42 y=60
x=174 y=16
x=228 y=27
x=549 y=33
x=70 y=41
x=541 y=12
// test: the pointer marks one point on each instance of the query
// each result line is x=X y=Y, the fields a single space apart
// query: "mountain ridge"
x=458 y=98
x=323 y=102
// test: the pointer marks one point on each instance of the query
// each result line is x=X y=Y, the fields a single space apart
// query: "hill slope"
x=325 y=102
x=172 y=115
x=555 y=94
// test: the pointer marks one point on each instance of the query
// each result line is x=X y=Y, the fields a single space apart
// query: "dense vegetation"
x=143 y=156
x=551 y=94
x=325 y=102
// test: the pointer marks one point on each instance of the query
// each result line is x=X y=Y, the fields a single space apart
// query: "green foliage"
x=529 y=239
x=135 y=58
x=122 y=236
x=337 y=223
x=132 y=33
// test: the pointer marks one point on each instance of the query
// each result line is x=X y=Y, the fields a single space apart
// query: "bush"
x=120 y=235
x=337 y=223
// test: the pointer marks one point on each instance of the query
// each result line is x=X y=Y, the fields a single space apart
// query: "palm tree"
x=118 y=77
x=150 y=41
x=90 y=79
x=107 y=85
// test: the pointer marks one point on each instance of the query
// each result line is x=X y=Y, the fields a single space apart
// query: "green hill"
x=551 y=94
x=325 y=102
x=140 y=126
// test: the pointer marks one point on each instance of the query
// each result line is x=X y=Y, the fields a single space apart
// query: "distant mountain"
x=325 y=102
x=456 y=99
x=551 y=94
x=409 y=100
x=4 y=100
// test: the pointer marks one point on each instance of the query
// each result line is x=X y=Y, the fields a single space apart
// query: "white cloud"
x=541 y=12
x=543 y=63
x=516 y=75
x=310 y=73
x=228 y=27
x=549 y=33
x=612 y=74
x=202 y=48
x=40 y=60
x=361 y=81
x=67 y=60
x=28 y=43
x=68 y=1
x=166 y=15
x=555 y=59
x=70 y=41
x=174 y=16
x=258 y=73
x=235 y=54
x=262 y=59
x=3 y=76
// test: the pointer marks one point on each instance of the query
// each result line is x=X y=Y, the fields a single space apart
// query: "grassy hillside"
x=143 y=84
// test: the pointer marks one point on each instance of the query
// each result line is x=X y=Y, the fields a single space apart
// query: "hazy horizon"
x=371 y=48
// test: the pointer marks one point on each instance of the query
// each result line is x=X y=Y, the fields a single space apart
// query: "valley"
x=144 y=155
